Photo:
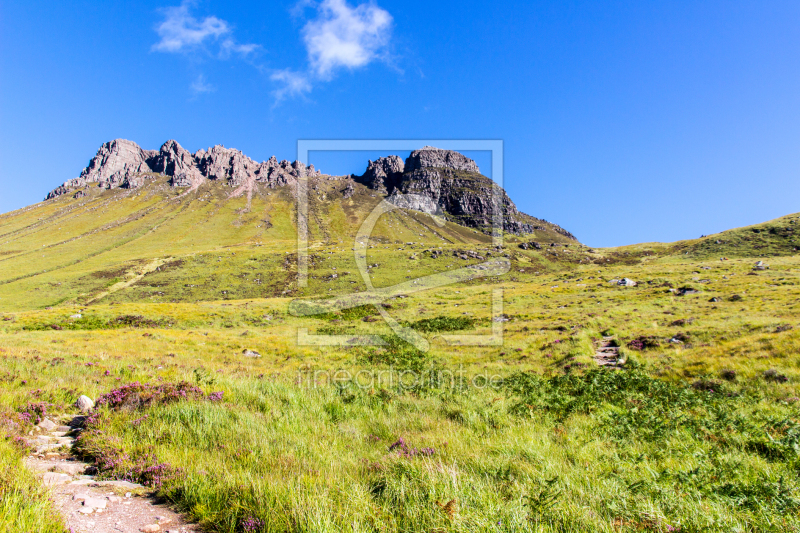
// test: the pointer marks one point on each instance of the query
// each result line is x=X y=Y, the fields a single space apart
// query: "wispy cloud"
x=338 y=37
x=182 y=32
x=290 y=84
x=200 y=86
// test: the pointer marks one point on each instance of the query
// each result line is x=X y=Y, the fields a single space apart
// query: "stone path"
x=608 y=354
x=88 y=505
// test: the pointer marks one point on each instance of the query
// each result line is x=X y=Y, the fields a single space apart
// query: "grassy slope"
x=626 y=455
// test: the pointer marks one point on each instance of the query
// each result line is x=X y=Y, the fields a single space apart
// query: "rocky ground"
x=87 y=504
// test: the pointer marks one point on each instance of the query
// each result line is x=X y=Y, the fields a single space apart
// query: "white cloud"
x=290 y=83
x=229 y=45
x=180 y=31
x=199 y=85
x=339 y=36
x=345 y=37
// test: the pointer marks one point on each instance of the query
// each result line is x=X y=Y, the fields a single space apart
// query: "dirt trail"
x=608 y=354
x=88 y=505
x=134 y=275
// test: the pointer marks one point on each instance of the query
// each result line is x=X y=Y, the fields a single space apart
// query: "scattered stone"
x=84 y=404
x=86 y=510
x=626 y=282
x=47 y=425
x=44 y=448
x=686 y=290
x=94 y=503
x=55 y=478
x=150 y=528
x=774 y=376
x=715 y=299
x=251 y=353
x=73 y=469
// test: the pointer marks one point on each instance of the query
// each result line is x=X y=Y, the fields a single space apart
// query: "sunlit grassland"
x=300 y=456
x=698 y=432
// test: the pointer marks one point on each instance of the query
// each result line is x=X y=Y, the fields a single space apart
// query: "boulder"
x=84 y=404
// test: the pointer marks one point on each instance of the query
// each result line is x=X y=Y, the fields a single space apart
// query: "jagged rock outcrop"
x=430 y=157
x=122 y=163
x=430 y=180
x=383 y=174
x=434 y=180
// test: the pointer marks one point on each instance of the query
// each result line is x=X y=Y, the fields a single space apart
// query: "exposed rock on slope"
x=453 y=184
x=122 y=163
x=383 y=173
x=439 y=180
x=429 y=157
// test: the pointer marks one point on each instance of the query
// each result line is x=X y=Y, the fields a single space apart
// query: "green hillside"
x=143 y=293
x=165 y=244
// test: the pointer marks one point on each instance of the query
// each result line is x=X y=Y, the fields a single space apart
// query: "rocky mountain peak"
x=429 y=156
x=432 y=179
x=123 y=163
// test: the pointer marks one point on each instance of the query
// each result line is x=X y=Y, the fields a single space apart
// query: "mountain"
x=449 y=181
x=122 y=163
x=170 y=225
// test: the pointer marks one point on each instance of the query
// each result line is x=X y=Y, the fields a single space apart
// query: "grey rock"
x=626 y=282
x=44 y=448
x=95 y=503
x=122 y=163
x=382 y=174
x=47 y=425
x=437 y=158
x=71 y=468
x=55 y=478
x=84 y=404
x=251 y=353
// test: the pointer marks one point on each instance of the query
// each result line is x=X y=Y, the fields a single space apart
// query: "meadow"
x=698 y=430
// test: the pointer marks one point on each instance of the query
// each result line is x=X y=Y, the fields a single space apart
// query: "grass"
x=700 y=431
x=24 y=503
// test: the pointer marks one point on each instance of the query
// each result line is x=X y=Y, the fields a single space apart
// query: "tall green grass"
x=603 y=451
x=24 y=503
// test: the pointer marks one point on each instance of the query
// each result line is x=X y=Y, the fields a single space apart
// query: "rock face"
x=122 y=163
x=429 y=157
x=431 y=180
x=448 y=182
x=383 y=174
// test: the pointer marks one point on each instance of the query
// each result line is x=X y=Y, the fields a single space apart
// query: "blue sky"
x=622 y=121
